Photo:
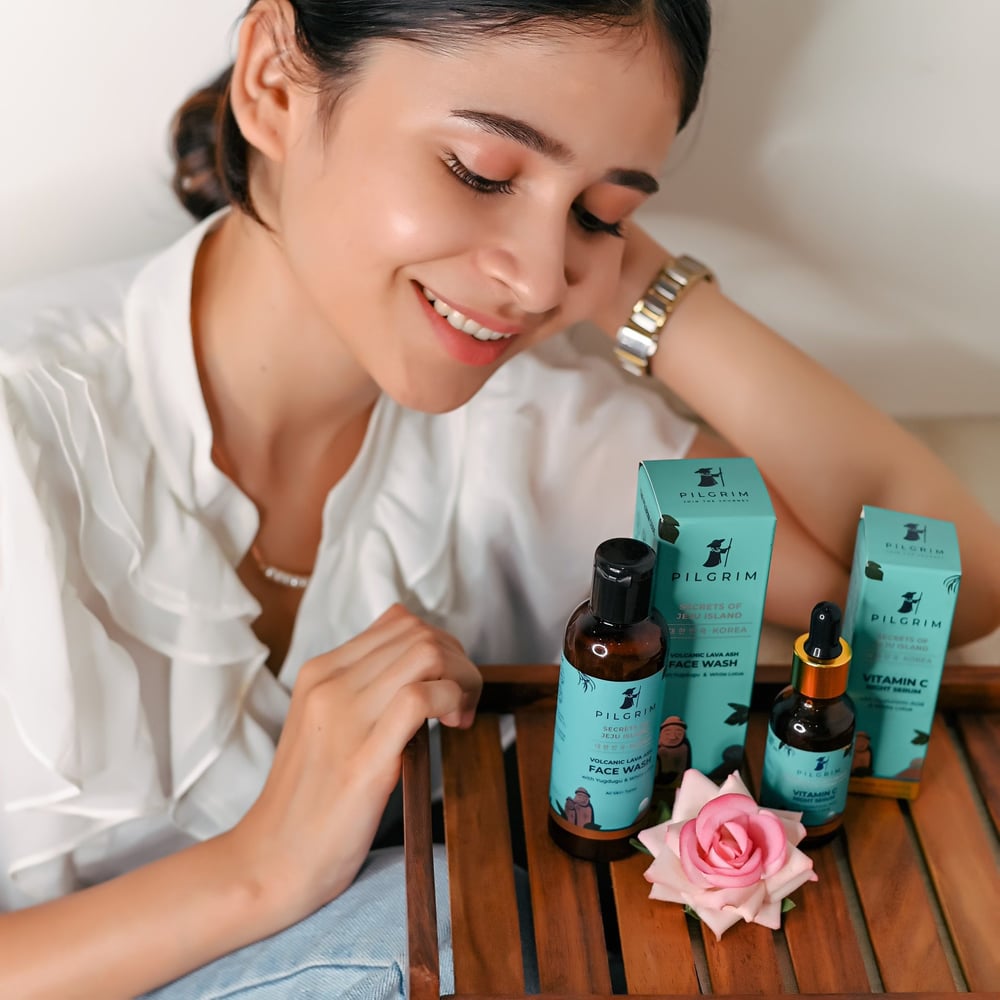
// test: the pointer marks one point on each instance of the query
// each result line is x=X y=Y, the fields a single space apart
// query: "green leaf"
x=640 y=846
x=740 y=716
x=921 y=739
x=659 y=812
x=787 y=904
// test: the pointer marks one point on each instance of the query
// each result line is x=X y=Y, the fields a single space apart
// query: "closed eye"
x=592 y=224
x=484 y=185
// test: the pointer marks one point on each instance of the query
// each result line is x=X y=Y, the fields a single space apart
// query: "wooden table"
x=908 y=901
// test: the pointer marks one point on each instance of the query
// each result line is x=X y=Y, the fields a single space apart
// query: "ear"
x=262 y=91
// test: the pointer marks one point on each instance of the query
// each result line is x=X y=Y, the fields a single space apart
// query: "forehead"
x=599 y=93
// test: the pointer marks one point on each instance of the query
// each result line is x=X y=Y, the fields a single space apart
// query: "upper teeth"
x=463 y=323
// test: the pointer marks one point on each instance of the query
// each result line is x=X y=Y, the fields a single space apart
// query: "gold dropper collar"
x=820 y=678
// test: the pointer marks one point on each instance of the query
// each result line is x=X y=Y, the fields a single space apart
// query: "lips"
x=465 y=338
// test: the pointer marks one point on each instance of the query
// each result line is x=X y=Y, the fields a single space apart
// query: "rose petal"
x=798 y=870
x=666 y=870
x=701 y=873
x=715 y=813
x=791 y=823
x=747 y=900
x=653 y=838
x=769 y=915
x=769 y=835
x=718 y=920
x=733 y=785
x=694 y=792
x=732 y=842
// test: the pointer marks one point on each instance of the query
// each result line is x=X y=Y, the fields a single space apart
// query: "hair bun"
x=194 y=143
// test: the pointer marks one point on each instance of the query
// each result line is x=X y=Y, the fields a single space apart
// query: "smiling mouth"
x=461 y=322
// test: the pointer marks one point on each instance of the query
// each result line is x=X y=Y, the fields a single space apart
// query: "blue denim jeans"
x=352 y=949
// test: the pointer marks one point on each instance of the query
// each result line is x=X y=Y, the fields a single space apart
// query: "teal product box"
x=711 y=524
x=900 y=605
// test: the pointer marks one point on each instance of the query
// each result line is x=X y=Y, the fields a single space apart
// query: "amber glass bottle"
x=810 y=740
x=609 y=708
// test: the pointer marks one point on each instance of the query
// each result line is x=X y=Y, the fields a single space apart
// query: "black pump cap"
x=823 y=641
x=623 y=581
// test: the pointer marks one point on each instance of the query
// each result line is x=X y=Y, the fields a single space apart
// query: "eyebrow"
x=537 y=141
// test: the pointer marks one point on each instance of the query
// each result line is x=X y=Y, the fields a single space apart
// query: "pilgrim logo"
x=915 y=532
x=911 y=602
x=873 y=570
x=718 y=553
x=821 y=763
x=630 y=697
x=711 y=477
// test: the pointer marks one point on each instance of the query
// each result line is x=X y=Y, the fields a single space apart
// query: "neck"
x=282 y=393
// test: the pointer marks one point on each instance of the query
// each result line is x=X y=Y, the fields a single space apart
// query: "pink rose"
x=724 y=856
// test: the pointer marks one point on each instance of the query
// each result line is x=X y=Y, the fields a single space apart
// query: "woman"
x=342 y=396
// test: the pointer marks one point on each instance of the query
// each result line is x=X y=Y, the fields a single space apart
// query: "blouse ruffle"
x=150 y=585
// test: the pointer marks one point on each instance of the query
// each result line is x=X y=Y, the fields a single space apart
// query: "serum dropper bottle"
x=608 y=709
x=810 y=739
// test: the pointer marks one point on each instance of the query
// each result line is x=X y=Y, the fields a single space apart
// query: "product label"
x=814 y=784
x=604 y=751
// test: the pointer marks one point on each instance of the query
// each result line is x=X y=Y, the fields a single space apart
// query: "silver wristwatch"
x=637 y=340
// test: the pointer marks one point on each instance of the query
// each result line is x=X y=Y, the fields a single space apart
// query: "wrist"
x=637 y=338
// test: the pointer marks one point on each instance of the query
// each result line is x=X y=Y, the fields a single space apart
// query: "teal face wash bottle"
x=810 y=739
x=608 y=709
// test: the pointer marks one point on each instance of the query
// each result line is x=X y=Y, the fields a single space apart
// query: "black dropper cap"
x=821 y=659
x=823 y=642
x=623 y=581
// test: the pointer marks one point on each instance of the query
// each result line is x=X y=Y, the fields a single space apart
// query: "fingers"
x=410 y=707
x=396 y=652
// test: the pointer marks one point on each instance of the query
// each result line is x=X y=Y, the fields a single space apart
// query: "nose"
x=529 y=258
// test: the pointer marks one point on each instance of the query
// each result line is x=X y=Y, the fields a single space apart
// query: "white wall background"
x=843 y=176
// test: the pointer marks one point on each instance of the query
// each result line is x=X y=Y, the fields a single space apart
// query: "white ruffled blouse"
x=136 y=711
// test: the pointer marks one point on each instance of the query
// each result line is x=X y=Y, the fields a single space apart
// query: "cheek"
x=593 y=270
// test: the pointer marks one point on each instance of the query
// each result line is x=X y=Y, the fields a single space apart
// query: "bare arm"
x=823 y=449
x=137 y=931
x=300 y=845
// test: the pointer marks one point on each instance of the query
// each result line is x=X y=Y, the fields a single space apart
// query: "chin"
x=434 y=395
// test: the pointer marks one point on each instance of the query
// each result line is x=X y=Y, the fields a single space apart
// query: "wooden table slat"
x=981 y=735
x=961 y=860
x=485 y=927
x=656 y=944
x=421 y=905
x=747 y=959
x=744 y=961
x=894 y=898
x=821 y=937
x=931 y=995
x=569 y=932
x=822 y=940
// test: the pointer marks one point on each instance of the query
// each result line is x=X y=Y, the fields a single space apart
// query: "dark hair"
x=212 y=157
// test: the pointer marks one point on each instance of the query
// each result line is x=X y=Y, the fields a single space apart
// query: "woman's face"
x=461 y=207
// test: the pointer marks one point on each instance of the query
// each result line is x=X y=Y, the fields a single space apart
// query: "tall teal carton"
x=711 y=524
x=900 y=605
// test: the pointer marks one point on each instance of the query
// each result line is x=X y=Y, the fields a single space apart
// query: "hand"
x=352 y=712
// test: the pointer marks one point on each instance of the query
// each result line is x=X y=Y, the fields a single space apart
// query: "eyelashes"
x=478 y=183
x=587 y=221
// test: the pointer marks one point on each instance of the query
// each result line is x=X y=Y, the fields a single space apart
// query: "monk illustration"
x=862 y=766
x=673 y=752
x=716 y=550
x=578 y=810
